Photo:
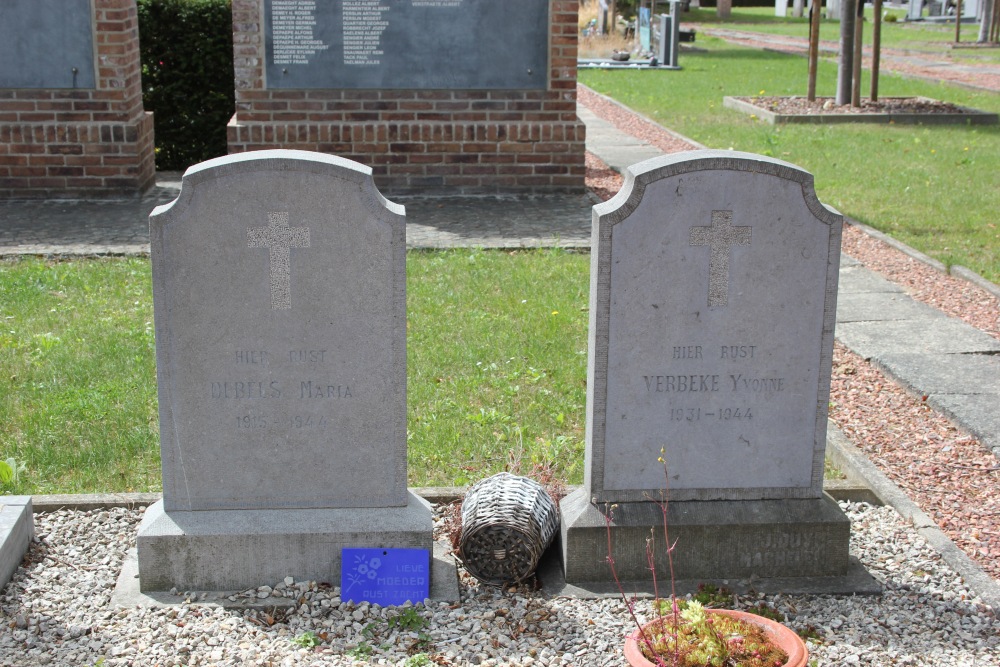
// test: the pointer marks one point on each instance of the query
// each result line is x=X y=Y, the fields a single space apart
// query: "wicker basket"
x=507 y=523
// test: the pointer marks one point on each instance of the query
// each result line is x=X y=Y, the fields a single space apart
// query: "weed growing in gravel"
x=307 y=640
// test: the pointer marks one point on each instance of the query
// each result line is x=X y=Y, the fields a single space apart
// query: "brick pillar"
x=81 y=142
x=422 y=141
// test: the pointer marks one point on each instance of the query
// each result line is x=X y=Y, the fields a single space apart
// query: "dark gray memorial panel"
x=411 y=44
x=46 y=44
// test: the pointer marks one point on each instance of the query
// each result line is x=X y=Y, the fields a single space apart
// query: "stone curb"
x=957 y=270
x=94 y=501
x=966 y=274
x=966 y=115
x=898 y=245
x=855 y=464
x=17 y=530
x=849 y=489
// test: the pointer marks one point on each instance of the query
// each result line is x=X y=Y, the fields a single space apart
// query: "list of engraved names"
x=364 y=23
x=292 y=24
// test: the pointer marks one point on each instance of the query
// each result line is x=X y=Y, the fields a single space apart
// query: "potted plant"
x=686 y=634
x=714 y=638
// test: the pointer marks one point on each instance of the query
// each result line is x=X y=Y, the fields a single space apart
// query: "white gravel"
x=56 y=611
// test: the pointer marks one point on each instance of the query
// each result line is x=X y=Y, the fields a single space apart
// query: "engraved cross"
x=278 y=237
x=720 y=237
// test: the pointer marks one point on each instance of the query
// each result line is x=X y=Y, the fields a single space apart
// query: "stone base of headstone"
x=17 y=528
x=227 y=550
x=715 y=539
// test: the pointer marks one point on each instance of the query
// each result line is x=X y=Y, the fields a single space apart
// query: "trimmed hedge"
x=186 y=48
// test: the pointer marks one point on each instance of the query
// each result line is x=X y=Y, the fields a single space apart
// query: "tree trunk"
x=987 y=23
x=958 y=21
x=845 y=68
x=814 y=17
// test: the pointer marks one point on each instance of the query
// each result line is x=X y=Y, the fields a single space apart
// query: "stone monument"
x=71 y=116
x=279 y=300
x=438 y=96
x=712 y=310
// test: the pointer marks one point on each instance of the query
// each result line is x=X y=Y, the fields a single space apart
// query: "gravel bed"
x=56 y=611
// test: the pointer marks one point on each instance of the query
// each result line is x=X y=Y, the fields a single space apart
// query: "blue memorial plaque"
x=385 y=576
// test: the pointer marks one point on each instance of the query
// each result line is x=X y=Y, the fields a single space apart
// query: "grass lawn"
x=936 y=188
x=497 y=359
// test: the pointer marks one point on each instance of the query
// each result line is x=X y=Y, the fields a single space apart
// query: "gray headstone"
x=713 y=302
x=712 y=330
x=279 y=296
x=46 y=44
x=280 y=311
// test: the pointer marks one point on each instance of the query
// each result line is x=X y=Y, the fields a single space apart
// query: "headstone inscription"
x=713 y=301
x=279 y=303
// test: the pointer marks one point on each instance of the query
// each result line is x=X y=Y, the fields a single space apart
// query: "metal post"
x=859 y=30
x=876 y=47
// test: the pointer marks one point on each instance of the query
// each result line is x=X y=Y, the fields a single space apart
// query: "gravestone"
x=435 y=95
x=71 y=116
x=280 y=314
x=712 y=310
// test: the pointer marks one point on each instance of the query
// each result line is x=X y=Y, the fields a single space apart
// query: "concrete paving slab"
x=530 y=221
x=979 y=414
x=848 y=261
x=880 y=307
x=936 y=335
x=856 y=278
x=961 y=374
x=618 y=149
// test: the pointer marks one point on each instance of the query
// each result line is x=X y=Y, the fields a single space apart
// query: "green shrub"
x=186 y=48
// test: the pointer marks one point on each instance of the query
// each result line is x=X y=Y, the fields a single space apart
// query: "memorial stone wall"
x=463 y=96
x=71 y=117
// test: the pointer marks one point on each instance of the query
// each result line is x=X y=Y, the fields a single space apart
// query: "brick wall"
x=455 y=141
x=82 y=142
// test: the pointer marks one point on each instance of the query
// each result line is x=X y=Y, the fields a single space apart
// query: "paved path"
x=121 y=227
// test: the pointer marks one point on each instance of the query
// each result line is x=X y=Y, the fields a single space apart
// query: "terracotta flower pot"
x=781 y=635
